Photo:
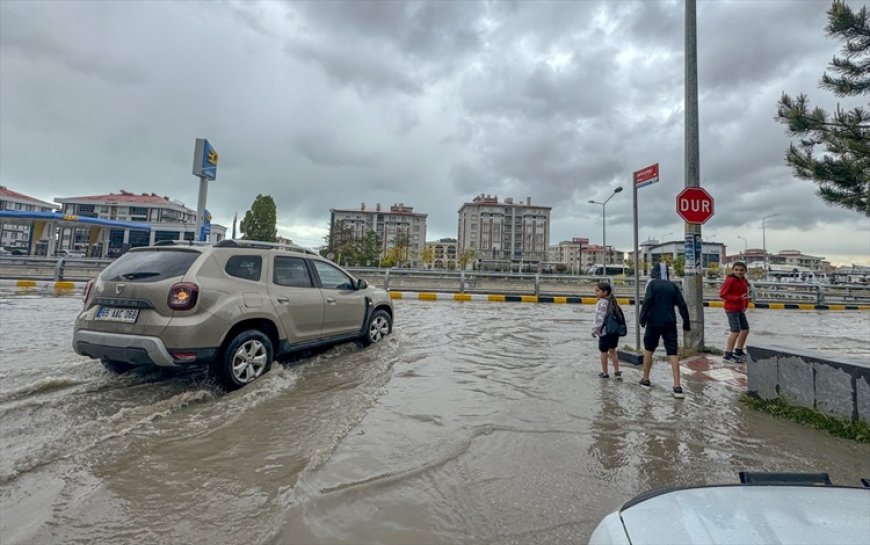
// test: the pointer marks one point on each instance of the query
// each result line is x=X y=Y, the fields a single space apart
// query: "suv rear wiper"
x=134 y=275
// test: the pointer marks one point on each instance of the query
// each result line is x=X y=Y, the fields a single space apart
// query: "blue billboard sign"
x=205 y=159
x=205 y=229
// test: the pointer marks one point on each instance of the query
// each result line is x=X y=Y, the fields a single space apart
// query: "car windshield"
x=149 y=266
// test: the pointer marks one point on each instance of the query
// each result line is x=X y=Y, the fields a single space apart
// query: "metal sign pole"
x=200 y=206
x=636 y=266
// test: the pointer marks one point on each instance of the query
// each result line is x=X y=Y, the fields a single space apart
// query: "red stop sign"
x=694 y=205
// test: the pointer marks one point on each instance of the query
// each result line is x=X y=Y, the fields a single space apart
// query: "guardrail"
x=82 y=269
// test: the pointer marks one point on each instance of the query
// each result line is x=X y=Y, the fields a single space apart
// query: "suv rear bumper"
x=134 y=349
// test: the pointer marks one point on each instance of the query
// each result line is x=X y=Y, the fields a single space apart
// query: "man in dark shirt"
x=659 y=320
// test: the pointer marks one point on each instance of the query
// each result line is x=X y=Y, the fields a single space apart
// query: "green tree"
x=465 y=258
x=340 y=241
x=368 y=249
x=680 y=265
x=402 y=243
x=842 y=170
x=260 y=222
x=427 y=256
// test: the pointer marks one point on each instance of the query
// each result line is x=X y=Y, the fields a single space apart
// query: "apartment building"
x=15 y=235
x=504 y=235
x=443 y=254
x=399 y=223
x=169 y=219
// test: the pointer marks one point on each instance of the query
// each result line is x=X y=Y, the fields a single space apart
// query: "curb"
x=561 y=300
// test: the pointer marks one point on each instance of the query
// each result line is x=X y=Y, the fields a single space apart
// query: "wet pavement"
x=472 y=423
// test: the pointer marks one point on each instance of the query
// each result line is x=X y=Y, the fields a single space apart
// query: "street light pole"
x=604 y=225
x=764 y=240
x=745 y=246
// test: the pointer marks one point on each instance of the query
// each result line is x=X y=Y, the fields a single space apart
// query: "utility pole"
x=694 y=289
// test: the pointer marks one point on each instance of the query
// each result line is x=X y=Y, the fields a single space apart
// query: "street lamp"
x=764 y=240
x=662 y=240
x=604 y=224
x=745 y=246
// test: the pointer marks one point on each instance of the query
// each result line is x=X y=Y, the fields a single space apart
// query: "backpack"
x=614 y=323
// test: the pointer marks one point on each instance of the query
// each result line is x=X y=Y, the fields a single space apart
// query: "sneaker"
x=645 y=383
x=678 y=392
x=618 y=375
x=741 y=358
x=730 y=358
x=603 y=375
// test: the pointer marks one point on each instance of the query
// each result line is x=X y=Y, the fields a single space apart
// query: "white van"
x=610 y=270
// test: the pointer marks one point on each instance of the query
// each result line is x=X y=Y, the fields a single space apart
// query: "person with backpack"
x=608 y=326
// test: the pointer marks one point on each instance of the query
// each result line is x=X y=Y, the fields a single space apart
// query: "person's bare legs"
x=732 y=338
x=604 y=362
x=647 y=363
x=675 y=367
x=740 y=338
x=614 y=359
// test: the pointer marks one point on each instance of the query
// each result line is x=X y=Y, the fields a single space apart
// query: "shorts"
x=607 y=342
x=737 y=321
x=668 y=333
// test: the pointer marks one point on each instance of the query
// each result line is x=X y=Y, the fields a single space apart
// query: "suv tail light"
x=88 y=287
x=182 y=296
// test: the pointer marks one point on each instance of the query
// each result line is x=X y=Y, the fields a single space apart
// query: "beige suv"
x=234 y=305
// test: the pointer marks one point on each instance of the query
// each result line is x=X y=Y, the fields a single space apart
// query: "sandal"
x=603 y=375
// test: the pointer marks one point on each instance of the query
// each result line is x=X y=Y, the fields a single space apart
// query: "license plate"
x=112 y=314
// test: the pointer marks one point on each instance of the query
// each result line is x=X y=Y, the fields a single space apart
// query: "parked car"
x=71 y=254
x=234 y=305
x=763 y=508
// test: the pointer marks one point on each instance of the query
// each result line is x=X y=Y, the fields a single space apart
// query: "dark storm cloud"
x=331 y=104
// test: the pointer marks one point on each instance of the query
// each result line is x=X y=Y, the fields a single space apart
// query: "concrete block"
x=795 y=377
x=762 y=376
x=862 y=386
x=833 y=390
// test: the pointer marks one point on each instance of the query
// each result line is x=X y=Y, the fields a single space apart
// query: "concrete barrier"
x=834 y=385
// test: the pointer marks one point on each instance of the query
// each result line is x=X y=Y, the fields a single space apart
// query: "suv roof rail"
x=181 y=243
x=232 y=243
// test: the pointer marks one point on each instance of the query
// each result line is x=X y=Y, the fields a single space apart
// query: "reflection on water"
x=472 y=423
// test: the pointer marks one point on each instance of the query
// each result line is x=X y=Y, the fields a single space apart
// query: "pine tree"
x=842 y=170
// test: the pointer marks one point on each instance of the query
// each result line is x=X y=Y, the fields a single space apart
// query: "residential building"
x=169 y=220
x=504 y=235
x=596 y=254
x=15 y=235
x=653 y=251
x=443 y=253
x=568 y=253
x=399 y=223
x=786 y=258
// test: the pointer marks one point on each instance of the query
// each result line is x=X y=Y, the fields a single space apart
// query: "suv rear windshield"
x=151 y=266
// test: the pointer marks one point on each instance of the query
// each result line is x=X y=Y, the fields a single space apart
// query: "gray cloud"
x=331 y=104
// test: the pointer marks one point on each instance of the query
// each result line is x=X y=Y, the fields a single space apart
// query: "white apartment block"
x=14 y=235
x=504 y=235
x=794 y=258
x=398 y=221
x=169 y=219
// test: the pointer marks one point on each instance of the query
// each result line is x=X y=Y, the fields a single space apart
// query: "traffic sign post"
x=695 y=205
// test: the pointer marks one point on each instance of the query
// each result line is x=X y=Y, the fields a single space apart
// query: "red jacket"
x=735 y=292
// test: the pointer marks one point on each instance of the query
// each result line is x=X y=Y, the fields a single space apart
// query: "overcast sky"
x=331 y=104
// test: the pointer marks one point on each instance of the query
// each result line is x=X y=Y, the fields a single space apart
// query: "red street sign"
x=646 y=176
x=695 y=205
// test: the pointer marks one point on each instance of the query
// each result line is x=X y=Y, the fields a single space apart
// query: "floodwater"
x=472 y=423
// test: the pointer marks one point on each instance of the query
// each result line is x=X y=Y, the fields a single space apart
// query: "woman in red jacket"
x=735 y=292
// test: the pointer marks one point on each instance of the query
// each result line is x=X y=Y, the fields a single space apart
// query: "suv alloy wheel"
x=247 y=356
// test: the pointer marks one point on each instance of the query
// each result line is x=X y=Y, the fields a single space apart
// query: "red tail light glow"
x=183 y=296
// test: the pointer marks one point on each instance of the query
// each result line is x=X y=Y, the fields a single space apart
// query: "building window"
x=138 y=211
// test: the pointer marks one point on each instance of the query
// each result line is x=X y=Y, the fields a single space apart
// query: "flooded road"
x=472 y=423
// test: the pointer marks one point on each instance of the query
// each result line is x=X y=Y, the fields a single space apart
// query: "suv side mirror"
x=361 y=284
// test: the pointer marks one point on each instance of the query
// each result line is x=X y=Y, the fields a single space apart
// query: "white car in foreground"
x=764 y=508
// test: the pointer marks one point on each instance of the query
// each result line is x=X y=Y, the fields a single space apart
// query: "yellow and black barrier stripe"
x=575 y=300
x=58 y=285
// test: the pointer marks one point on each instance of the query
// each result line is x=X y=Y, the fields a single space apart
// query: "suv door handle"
x=284 y=300
x=330 y=300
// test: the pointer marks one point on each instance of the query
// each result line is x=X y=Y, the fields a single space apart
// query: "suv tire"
x=116 y=366
x=380 y=325
x=246 y=357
